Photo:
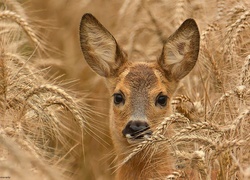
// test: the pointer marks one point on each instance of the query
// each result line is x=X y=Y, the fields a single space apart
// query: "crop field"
x=54 y=110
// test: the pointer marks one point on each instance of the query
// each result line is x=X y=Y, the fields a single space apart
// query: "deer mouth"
x=138 y=136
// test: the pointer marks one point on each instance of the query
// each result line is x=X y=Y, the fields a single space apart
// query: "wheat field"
x=54 y=109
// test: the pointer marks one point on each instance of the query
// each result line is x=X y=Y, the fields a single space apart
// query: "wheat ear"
x=239 y=92
x=196 y=127
x=226 y=145
x=179 y=12
x=231 y=39
x=220 y=8
x=59 y=92
x=245 y=72
x=22 y=22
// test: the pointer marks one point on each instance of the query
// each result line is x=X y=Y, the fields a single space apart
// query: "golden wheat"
x=33 y=111
x=211 y=117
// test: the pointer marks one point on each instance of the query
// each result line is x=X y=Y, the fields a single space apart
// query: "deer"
x=140 y=91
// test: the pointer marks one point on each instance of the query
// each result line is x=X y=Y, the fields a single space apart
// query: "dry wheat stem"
x=23 y=67
x=127 y=7
x=6 y=142
x=57 y=100
x=177 y=117
x=182 y=98
x=13 y=170
x=210 y=28
x=183 y=158
x=220 y=8
x=196 y=127
x=239 y=21
x=16 y=6
x=134 y=34
x=195 y=139
x=231 y=39
x=238 y=120
x=245 y=72
x=177 y=103
x=217 y=72
x=180 y=12
x=47 y=88
x=235 y=11
x=143 y=145
x=22 y=22
x=226 y=145
x=237 y=163
x=155 y=23
x=239 y=92
x=174 y=175
x=198 y=162
x=207 y=56
x=26 y=161
x=3 y=82
x=124 y=8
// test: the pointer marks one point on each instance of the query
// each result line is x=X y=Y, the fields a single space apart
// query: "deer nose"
x=136 y=128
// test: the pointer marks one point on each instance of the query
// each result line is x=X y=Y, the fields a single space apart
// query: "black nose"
x=135 y=127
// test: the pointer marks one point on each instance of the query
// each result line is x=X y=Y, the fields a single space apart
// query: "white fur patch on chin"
x=132 y=140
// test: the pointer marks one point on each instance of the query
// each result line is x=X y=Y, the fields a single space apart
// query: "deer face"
x=141 y=91
x=141 y=98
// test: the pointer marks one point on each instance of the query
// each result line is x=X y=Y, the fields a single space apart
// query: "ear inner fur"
x=99 y=47
x=180 y=52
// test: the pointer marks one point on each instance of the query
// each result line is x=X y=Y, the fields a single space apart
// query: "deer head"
x=141 y=91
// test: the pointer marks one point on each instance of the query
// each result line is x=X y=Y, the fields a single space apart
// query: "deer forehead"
x=141 y=77
x=140 y=80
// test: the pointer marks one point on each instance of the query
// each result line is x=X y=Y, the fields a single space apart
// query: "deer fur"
x=141 y=91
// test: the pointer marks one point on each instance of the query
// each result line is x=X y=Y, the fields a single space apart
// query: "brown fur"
x=140 y=83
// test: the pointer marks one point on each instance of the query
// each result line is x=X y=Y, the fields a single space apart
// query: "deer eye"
x=161 y=100
x=118 y=98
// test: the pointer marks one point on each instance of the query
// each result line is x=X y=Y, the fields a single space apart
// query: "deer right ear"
x=180 y=51
x=99 y=47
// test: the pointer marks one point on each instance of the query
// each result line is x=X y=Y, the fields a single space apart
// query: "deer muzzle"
x=136 y=131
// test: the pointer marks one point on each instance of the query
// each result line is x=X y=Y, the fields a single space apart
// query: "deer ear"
x=180 y=51
x=99 y=47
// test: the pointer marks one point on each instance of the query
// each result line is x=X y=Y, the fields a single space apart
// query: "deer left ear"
x=99 y=47
x=180 y=51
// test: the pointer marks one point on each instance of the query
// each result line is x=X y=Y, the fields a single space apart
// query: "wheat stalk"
x=15 y=6
x=26 y=161
x=196 y=127
x=155 y=23
x=220 y=8
x=238 y=27
x=3 y=82
x=245 y=73
x=22 y=22
x=177 y=117
x=195 y=139
x=198 y=162
x=213 y=27
x=180 y=12
x=59 y=92
x=224 y=146
x=174 y=175
x=239 y=92
x=237 y=122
